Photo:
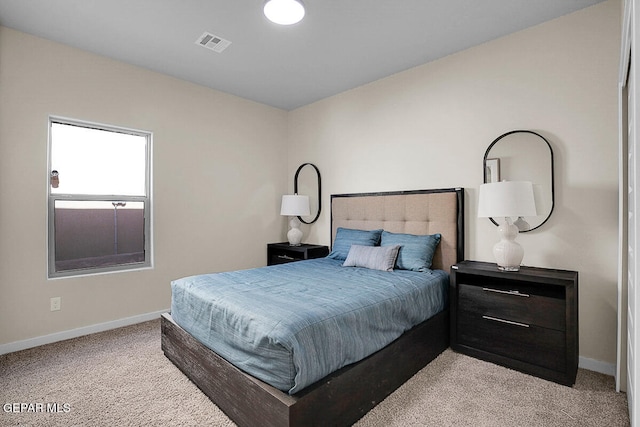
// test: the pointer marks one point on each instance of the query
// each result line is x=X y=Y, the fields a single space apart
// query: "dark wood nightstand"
x=525 y=320
x=279 y=253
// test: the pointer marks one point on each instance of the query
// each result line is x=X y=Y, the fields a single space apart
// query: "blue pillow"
x=416 y=252
x=345 y=237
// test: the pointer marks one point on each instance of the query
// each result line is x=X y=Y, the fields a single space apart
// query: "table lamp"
x=294 y=206
x=507 y=199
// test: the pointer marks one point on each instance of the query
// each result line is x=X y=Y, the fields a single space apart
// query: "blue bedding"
x=292 y=324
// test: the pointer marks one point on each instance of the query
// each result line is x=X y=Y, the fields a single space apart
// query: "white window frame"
x=146 y=200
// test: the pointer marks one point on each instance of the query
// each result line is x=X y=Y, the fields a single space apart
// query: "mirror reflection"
x=523 y=155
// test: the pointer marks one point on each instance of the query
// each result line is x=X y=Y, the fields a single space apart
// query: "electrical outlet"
x=56 y=303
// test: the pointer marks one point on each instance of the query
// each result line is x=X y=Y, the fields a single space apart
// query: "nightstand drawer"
x=514 y=304
x=280 y=253
x=520 y=341
x=277 y=256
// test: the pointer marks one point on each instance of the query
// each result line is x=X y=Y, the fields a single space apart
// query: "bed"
x=342 y=396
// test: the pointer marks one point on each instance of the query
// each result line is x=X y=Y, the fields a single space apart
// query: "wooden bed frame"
x=346 y=395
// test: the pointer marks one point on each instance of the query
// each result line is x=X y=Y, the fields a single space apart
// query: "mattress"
x=290 y=325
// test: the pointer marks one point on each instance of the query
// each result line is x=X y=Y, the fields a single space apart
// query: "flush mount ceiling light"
x=284 y=12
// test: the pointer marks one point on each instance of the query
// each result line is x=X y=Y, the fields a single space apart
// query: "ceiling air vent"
x=213 y=42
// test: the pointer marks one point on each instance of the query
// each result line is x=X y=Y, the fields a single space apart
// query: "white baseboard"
x=597 y=366
x=78 y=332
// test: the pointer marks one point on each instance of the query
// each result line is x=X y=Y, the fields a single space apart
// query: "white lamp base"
x=507 y=251
x=295 y=234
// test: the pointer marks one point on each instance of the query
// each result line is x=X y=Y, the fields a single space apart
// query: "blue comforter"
x=292 y=324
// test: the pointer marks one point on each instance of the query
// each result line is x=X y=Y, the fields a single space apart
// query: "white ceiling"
x=340 y=44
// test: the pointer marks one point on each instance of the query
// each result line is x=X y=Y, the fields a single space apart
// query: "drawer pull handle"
x=510 y=322
x=285 y=257
x=514 y=293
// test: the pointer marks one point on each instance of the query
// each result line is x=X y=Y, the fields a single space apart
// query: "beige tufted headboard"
x=415 y=212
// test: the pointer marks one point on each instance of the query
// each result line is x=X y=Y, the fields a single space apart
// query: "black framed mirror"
x=523 y=155
x=306 y=189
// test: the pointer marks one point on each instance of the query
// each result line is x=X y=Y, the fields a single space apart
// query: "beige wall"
x=219 y=169
x=217 y=182
x=429 y=127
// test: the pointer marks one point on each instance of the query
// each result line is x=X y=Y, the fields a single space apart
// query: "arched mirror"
x=523 y=155
x=308 y=181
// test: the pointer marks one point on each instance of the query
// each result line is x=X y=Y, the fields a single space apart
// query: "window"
x=99 y=207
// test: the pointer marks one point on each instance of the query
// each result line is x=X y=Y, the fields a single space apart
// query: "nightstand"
x=525 y=320
x=279 y=253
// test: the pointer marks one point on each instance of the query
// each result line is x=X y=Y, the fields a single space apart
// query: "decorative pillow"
x=345 y=237
x=372 y=257
x=416 y=252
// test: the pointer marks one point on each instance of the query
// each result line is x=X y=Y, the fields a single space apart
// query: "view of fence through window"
x=98 y=197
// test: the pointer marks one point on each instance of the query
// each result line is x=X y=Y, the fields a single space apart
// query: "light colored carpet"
x=122 y=378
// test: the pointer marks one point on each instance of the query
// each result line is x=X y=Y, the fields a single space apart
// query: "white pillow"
x=372 y=257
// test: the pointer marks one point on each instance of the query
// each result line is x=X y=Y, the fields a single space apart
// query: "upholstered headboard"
x=415 y=212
